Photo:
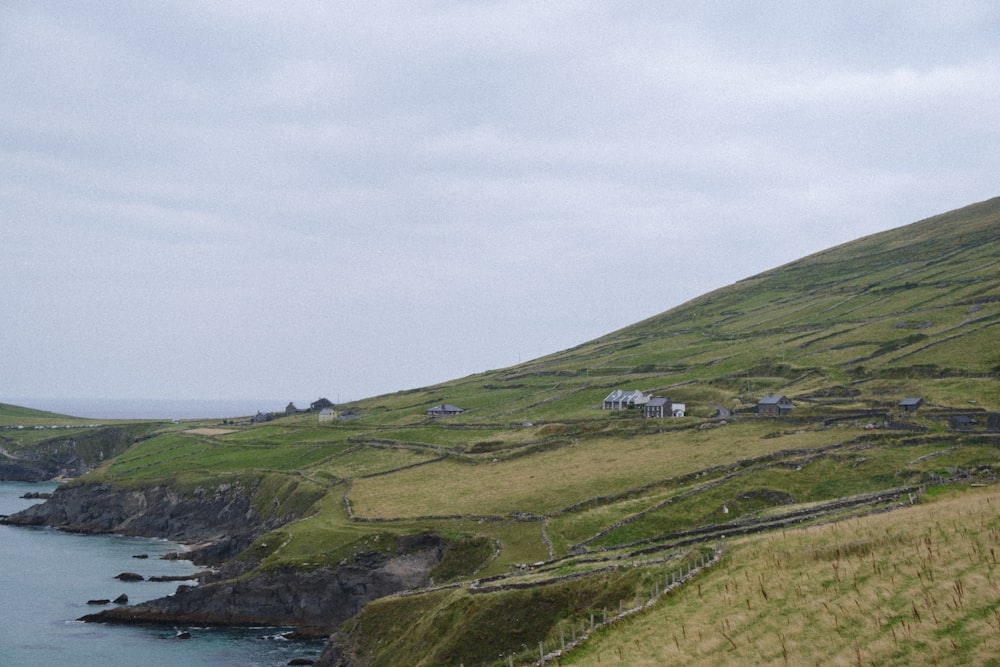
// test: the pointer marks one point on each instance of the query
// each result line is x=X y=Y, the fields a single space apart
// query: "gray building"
x=774 y=404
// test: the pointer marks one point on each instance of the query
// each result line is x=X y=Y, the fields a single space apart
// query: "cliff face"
x=315 y=601
x=224 y=515
x=238 y=594
x=66 y=456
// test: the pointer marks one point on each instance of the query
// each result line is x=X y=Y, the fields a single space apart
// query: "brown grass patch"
x=210 y=431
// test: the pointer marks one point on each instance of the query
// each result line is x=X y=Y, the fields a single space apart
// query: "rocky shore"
x=223 y=522
x=223 y=517
x=315 y=601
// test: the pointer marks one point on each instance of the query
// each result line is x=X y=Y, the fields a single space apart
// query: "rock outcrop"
x=68 y=455
x=223 y=516
x=315 y=601
x=225 y=521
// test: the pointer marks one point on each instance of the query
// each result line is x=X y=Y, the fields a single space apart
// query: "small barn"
x=444 y=410
x=327 y=415
x=910 y=404
x=774 y=404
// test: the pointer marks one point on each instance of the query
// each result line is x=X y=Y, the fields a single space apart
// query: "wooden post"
x=541 y=652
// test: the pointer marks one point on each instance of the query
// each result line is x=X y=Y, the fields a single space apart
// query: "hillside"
x=610 y=506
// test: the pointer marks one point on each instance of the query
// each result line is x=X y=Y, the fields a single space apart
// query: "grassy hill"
x=610 y=507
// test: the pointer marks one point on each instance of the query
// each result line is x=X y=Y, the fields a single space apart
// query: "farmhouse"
x=657 y=408
x=320 y=404
x=774 y=404
x=910 y=404
x=621 y=399
x=444 y=410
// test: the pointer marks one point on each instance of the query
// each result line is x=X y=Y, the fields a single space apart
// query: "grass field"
x=918 y=586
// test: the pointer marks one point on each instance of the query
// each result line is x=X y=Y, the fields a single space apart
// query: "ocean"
x=137 y=408
x=47 y=577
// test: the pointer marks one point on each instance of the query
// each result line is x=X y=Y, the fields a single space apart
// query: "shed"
x=910 y=404
x=774 y=404
x=327 y=415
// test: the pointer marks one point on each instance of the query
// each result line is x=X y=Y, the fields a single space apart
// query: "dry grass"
x=918 y=586
x=552 y=480
x=210 y=431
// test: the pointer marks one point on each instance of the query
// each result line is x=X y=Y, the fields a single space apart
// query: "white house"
x=621 y=399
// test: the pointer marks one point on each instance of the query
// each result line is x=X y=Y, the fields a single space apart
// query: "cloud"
x=369 y=197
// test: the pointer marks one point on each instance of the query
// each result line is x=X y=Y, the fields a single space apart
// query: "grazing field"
x=552 y=480
x=917 y=586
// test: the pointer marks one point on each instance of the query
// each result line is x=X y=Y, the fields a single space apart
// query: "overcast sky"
x=290 y=200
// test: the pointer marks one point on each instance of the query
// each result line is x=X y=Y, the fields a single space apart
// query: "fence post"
x=541 y=652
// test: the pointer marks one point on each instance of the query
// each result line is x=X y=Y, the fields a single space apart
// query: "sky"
x=289 y=200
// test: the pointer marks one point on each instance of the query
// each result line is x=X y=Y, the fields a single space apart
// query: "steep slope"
x=608 y=504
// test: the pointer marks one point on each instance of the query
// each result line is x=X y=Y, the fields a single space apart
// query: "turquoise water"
x=47 y=577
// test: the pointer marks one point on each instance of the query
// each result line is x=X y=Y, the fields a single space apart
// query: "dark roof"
x=657 y=401
x=772 y=399
x=446 y=407
x=911 y=401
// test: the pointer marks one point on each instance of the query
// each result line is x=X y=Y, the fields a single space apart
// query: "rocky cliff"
x=315 y=601
x=223 y=516
x=224 y=521
x=66 y=455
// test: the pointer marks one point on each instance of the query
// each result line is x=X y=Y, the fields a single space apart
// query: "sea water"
x=137 y=408
x=47 y=577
